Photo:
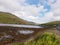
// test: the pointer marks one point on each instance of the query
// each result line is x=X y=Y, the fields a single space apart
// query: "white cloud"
x=55 y=8
x=31 y=12
x=11 y=5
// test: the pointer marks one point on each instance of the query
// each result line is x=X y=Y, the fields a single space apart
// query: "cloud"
x=11 y=5
x=33 y=13
x=55 y=8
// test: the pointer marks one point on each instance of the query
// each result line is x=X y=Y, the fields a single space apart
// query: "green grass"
x=52 y=23
x=8 y=18
x=44 y=39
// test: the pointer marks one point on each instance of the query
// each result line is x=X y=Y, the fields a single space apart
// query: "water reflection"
x=26 y=26
x=25 y=32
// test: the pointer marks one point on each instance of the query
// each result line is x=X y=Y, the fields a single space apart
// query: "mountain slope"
x=8 y=18
x=51 y=24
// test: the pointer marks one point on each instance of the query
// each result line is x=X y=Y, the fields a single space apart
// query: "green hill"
x=8 y=18
x=51 y=24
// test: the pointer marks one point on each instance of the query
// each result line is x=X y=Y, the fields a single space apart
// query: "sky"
x=38 y=11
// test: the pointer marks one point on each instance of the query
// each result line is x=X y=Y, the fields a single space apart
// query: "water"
x=25 y=32
x=26 y=26
x=18 y=32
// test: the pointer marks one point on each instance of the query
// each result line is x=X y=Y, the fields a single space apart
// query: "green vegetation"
x=8 y=18
x=44 y=39
x=51 y=23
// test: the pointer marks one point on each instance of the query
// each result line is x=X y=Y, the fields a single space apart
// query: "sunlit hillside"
x=8 y=18
x=52 y=23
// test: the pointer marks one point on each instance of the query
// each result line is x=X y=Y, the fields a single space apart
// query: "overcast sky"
x=38 y=11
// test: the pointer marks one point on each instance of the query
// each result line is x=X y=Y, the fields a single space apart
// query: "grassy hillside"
x=11 y=19
x=51 y=24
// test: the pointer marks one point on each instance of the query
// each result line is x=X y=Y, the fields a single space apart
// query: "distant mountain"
x=8 y=18
x=51 y=24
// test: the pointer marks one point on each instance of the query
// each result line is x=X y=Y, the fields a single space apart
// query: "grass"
x=51 y=23
x=8 y=18
x=44 y=39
